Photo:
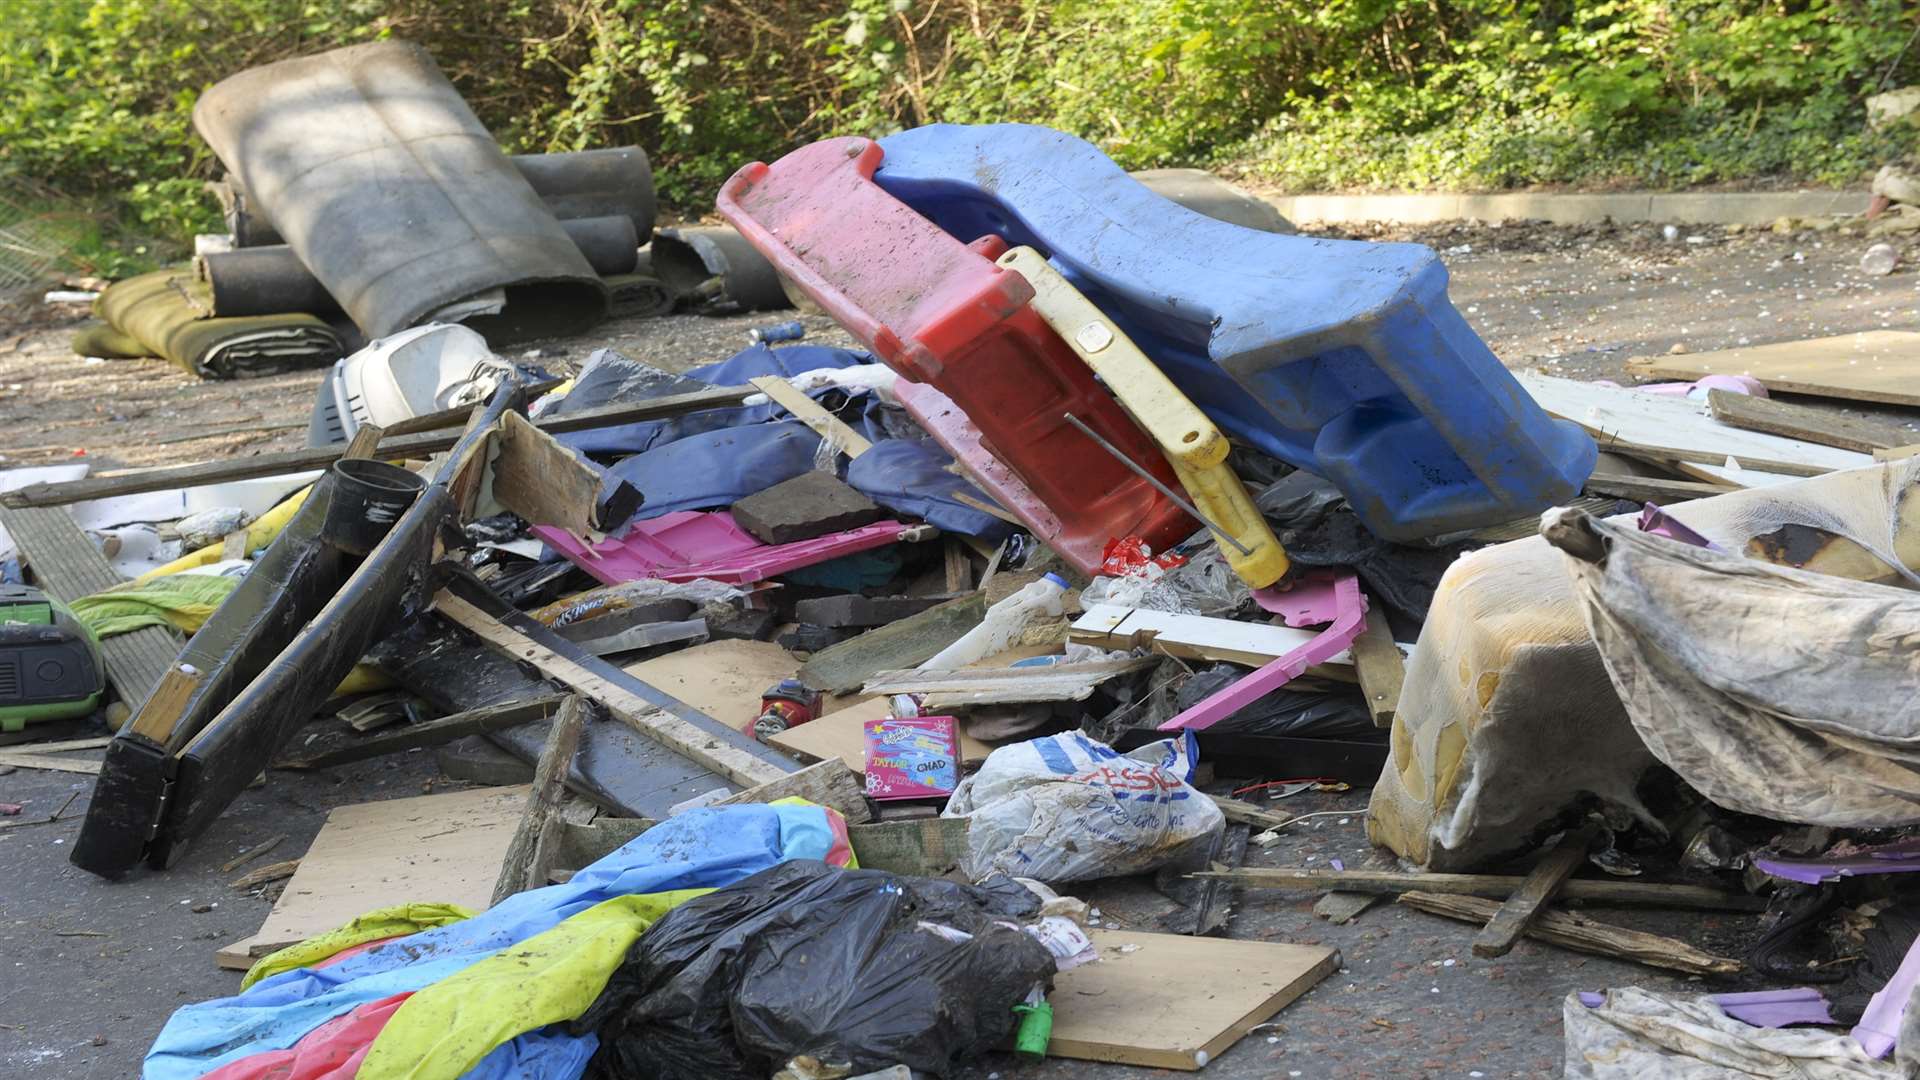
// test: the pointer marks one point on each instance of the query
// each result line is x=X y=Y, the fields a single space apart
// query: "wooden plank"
x=1581 y=934
x=458 y=417
x=1663 y=427
x=1241 y=812
x=1874 y=365
x=264 y=874
x=520 y=867
x=95 y=743
x=365 y=442
x=1341 y=908
x=724 y=679
x=1536 y=890
x=676 y=733
x=1649 y=489
x=811 y=413
x=346 y=750
x=542 y=481
x=1000 y=685
x=1175 y=1002
x=445 y=848
x=1194 y=637
x=959 y=567
x=68 y=566
x=1500 y=886
x=1897 y=453
x=829 y=783
x=394 y=448
x=1381 y=668
x=155 y=719
x=1823 y=426
x=844 y=667
x=842 y=736
x=49 y=763
x=928 y=847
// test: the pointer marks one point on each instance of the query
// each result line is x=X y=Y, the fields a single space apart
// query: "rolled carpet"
x=166 y=312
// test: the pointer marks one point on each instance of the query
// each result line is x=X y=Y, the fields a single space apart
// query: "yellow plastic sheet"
x=182 y=601
x=259 y=535
x=445 y=1029
x=375 y=925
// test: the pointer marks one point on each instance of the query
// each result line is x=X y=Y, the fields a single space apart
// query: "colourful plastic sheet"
x=445 y=1029
x=377 y=925
x=705 y=848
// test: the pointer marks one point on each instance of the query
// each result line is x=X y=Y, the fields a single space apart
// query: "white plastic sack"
x=1070 y=808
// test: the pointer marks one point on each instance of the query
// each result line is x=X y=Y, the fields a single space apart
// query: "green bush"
x=1480 y=94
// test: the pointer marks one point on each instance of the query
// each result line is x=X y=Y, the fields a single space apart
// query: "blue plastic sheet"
x=1341 y=357
x=711 y=459
x=705 y=848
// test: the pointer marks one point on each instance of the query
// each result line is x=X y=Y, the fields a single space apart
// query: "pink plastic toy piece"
x=1351 y=619
x=689 y=544
x=1314 y=600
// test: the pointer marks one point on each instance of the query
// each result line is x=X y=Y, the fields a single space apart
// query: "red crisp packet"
x=912 y=757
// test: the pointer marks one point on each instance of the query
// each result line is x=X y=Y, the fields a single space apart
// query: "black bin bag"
x=851 y=967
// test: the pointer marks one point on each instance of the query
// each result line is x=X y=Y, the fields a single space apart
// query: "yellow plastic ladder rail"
x=1195 y=448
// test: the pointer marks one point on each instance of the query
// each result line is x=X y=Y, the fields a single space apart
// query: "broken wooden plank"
x=547 y=484
x=810 y=412
x=69 y=566
x=251 y=853
x=845 y=667
x=1581 y=934
x=1245 y=813
x=1341 y=908
x=1823 y=426
x=1666 y=428
x=959 y=567
x=1194 y=637
x=1380 y=667
x=719 y=750
x=264 y=874
x=344 y=750
x=929 y=847
x=49 y=763
x=445 y=848
x=420 y=445
x=1175 y=1002
x=1536 y=890
x=1499 y=886
x=1651 y=489
x=989 y=686
x=1873 y=365
x=828 y=783
x=64 y=745
x=519 y=867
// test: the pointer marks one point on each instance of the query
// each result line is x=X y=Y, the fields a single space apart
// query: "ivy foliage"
x=1333 y=94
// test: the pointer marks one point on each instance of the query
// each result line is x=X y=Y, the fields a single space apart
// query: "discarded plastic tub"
x=1341 y=357
x=941 y=313
x=368 y=497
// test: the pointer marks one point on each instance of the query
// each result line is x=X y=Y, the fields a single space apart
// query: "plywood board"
x=1876 y=365
x=1176 y=1002
x=1613 y=414
x=437 y=848
x=841 y=735
x=723 y=679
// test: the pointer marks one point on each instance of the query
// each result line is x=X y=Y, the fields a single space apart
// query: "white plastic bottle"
x=1003 y=624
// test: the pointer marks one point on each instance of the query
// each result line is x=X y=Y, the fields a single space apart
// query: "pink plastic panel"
x=689 y=544
x=1351 y=619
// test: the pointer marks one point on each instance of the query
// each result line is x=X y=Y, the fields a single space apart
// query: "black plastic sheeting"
x=392 y=192
x=1337 y=712
x=804 y=958
x=1314 y=524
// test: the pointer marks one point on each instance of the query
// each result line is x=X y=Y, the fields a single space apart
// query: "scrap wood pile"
x=885 y=654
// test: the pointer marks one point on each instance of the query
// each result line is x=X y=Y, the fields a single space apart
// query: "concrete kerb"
x=1683 y=208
